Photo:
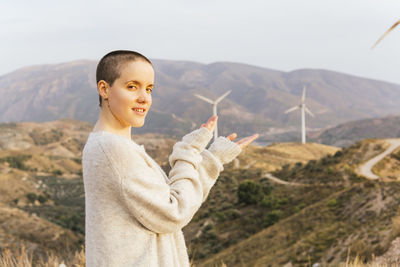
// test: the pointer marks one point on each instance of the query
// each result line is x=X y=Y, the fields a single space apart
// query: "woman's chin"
x=137 y=124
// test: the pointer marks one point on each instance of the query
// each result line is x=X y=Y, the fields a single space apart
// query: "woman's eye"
x=150 y=90
x=131 y=86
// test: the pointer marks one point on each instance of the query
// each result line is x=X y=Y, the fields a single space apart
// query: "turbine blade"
x=308 y=111
x=223 y=96
x=204 y=98
x=386 y=33
x=303 y=97
x=292 y=109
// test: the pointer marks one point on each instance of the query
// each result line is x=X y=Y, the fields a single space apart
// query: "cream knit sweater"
x=134 y=211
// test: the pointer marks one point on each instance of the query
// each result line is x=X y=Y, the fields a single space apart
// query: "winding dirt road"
x=366 y=168
x=279 y=181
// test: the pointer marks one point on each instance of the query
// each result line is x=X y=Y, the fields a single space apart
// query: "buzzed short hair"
x=109 y=67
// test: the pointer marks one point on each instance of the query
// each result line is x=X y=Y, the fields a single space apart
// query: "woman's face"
x=132 y=92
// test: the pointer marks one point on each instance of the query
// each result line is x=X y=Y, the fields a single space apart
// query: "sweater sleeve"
x=221 y=151
x=158 y=206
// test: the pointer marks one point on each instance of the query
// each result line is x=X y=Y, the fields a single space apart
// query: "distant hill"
x=348 y=133
x=257 y=103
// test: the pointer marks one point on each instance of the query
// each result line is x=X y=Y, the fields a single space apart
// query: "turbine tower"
x=214 y=103
x=303 y=109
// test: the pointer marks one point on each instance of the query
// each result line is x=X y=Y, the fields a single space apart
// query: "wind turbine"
x=303 y=109
x=214 y=103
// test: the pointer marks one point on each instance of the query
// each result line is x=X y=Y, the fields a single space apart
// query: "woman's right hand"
x=212 y=122
x=245 y=141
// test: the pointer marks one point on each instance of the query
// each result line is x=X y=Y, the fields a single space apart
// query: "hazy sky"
x=277 y=34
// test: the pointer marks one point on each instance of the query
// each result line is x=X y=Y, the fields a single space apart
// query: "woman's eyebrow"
x=133 y=81
x=137 y=82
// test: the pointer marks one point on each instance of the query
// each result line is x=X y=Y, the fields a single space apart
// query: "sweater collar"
x=141 y=147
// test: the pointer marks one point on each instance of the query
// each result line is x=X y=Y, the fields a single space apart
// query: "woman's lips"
x=139 y=111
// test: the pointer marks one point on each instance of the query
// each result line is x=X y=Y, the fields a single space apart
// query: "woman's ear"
x=102 y=87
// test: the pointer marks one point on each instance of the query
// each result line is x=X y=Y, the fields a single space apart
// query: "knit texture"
x=135 y=212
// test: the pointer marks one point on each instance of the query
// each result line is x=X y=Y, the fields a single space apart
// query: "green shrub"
x=338 y=154
x=220 y=216
x=396 y=155
x=77 y=160
x=332 y=203
x=269 y=202
x=249 y=192
x=298 y=164
x=17 y=161
x=329 y=170
x=283 y=201
x=272 y=217
x=299 y=207
x=233 y=213
x=31 y=197
x=42 y=199
x=57 y=172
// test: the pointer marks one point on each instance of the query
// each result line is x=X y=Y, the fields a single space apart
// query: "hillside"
x=350 y=132
x=41 y=179
x=257 y=103
x=247 y=218
x=340 y=213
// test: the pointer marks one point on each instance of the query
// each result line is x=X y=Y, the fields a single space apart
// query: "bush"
x=17 y=161
x=249 y=192
x=298 y=164
x=329 y=170
x=272 y=217
x=57 y=172
x=220 y=216
x=396 y=155
x=269 y=202
x=338 y=154
x=42 y=199
x=299 y=207
x=233 y=213
x=31 y=197
x=77 y=160
x=283 y=201
x=332 y=203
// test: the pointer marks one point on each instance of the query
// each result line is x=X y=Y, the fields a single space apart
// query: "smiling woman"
x=135 y=212
x=126 y=85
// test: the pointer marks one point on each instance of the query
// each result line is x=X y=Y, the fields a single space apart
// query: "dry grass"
x=274 y=156
x=357 y=262
x=23 y=258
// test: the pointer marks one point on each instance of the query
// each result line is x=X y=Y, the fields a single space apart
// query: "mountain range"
x=257 y=102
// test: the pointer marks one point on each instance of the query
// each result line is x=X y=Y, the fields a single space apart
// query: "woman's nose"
x=144 y=96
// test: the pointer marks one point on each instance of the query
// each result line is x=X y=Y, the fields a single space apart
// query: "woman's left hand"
x=210 y=124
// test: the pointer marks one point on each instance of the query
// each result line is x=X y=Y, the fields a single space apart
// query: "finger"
x=212 y=119
x=245 y=141
x=212 y=122
x=232 y=136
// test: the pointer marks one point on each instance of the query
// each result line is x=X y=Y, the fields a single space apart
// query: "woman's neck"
x=109 y=124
